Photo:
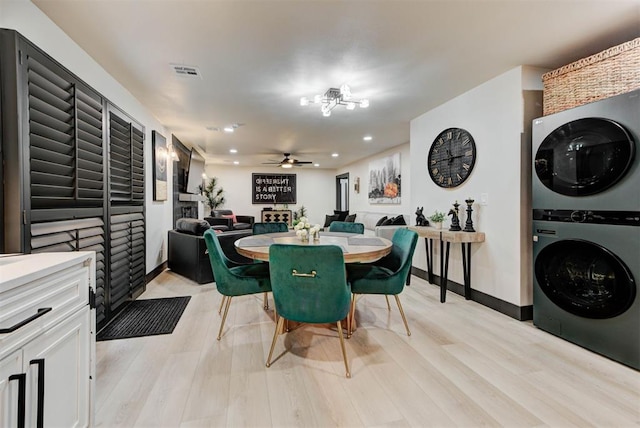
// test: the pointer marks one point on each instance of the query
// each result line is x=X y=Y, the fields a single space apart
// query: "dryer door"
x=585 y=279
x=584 y=157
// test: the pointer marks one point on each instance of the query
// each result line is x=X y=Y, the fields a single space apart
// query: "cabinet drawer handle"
x=22 y=323
x=22 y=396
x=40 y=416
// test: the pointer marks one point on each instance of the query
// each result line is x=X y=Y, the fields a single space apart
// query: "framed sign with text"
x=273 y=188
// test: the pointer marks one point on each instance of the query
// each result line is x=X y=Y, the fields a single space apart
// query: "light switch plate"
x=484 y=199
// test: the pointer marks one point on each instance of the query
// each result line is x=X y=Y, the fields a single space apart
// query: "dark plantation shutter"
x=66 y=136
x=127 y=250
x=85 y=234
x=137 y=167
x=120 y=159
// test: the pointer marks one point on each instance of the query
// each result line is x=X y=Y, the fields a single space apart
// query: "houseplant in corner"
x=213 y=195
x=437 y=218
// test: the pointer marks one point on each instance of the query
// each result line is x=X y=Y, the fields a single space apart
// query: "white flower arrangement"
x=304 y=228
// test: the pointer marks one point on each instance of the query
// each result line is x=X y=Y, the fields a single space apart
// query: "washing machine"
x=586 y=158
x=586 y=268
x=586 y=226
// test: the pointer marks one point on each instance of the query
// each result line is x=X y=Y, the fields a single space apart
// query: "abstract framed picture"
x=385 y=180
x=160 y=155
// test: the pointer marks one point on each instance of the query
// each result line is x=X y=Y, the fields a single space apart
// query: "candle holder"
x=455 y=219
x=468 y=226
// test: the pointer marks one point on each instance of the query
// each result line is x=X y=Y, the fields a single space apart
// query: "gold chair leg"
x=275 y=337
x=403 y=317
x=266 y=302
x=224 y=317
x=352 y=324
x=221 y=304
x=344 y=351
x=349 y=317
x=388 y=305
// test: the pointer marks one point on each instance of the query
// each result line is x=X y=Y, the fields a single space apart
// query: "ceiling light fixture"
x=335 y=97
x=233 y=151
x=334 y=155
x=367 y=138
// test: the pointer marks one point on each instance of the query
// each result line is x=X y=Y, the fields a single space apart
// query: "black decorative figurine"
x=468 y=226
x=455 y=220
x=421 y=220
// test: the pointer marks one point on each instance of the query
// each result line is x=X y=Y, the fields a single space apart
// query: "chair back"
x=302 y=296
x=228 y=282
x=274 y=227
x=345 y=226
x=399 y=260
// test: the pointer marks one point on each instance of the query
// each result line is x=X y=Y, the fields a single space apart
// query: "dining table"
x=356 y=248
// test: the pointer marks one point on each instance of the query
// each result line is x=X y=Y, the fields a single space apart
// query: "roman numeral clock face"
x=451 y=157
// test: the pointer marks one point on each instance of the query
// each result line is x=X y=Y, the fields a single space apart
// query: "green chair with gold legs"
x=236 y=281
x=345 y=226
x=273 y=227
x=389 y=279
x=309 y=286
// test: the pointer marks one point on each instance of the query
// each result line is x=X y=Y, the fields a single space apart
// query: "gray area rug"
x=145 y=317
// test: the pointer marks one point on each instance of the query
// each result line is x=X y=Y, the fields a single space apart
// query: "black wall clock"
x=451 y=157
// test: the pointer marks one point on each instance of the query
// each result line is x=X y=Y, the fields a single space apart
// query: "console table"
x=276 y=216
x=448 y=237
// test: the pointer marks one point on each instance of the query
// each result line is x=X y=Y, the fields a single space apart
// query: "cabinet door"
x=65 y=350
x=9 y=366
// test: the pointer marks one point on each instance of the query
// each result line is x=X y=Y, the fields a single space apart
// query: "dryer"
x=586 y=158
x=586 y=268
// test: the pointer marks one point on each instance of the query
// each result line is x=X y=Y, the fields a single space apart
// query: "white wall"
x=27 y=19
x=316 y=190
x=493 y=114
x=360 y=201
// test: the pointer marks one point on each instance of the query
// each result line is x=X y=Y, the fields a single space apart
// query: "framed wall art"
x=160 y=156
x=385 y=180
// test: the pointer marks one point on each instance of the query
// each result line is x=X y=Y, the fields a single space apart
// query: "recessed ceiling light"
x=229 y=129
x=316 y=164
x=367 y=138
x=334 y=155
x=236 y=163
x=233 y=151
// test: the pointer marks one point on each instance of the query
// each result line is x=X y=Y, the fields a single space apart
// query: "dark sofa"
x=224 y=218
x=188 y=254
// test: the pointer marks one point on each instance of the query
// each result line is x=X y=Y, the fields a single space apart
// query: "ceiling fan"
x=288 y=162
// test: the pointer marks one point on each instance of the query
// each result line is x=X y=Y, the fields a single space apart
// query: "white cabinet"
x=47 y=340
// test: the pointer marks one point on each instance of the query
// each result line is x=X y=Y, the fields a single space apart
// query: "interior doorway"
x=342 y=192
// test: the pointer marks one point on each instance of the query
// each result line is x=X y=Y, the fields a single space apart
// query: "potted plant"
x=213 y=195
x=437 y=218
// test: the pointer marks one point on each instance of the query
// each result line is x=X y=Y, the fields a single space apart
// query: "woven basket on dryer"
x=611 y=72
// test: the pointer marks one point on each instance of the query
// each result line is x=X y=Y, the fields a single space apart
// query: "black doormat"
x=145 y=317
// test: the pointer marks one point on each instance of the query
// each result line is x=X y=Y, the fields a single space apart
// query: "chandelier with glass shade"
x=335 y=97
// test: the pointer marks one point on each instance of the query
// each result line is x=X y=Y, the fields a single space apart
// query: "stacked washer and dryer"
x=586 y=226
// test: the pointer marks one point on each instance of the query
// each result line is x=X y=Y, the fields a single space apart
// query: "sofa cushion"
x=399 y=221
x=342 y=215
x=328 y=219
x=381 y=221
x=351 y=218
x=387 y=222
x=231 y=216
x=192 y=226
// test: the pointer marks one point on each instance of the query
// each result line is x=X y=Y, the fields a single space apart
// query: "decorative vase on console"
x=436 y=219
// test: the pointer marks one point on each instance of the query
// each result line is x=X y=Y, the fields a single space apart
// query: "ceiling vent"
x=186 y=70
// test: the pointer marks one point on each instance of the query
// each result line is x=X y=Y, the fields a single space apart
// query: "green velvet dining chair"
x=234 y=281
x=273 y=227
x=345 y=226
x=388 y=279
x=309 y=286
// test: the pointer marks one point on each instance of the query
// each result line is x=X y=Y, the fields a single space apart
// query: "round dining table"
x=356 y=248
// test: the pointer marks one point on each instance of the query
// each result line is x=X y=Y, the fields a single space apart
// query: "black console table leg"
x=444 y=273
x=428 y=244
x=466 y=269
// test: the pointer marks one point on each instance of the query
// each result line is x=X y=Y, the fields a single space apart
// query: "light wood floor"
x=464 y=365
